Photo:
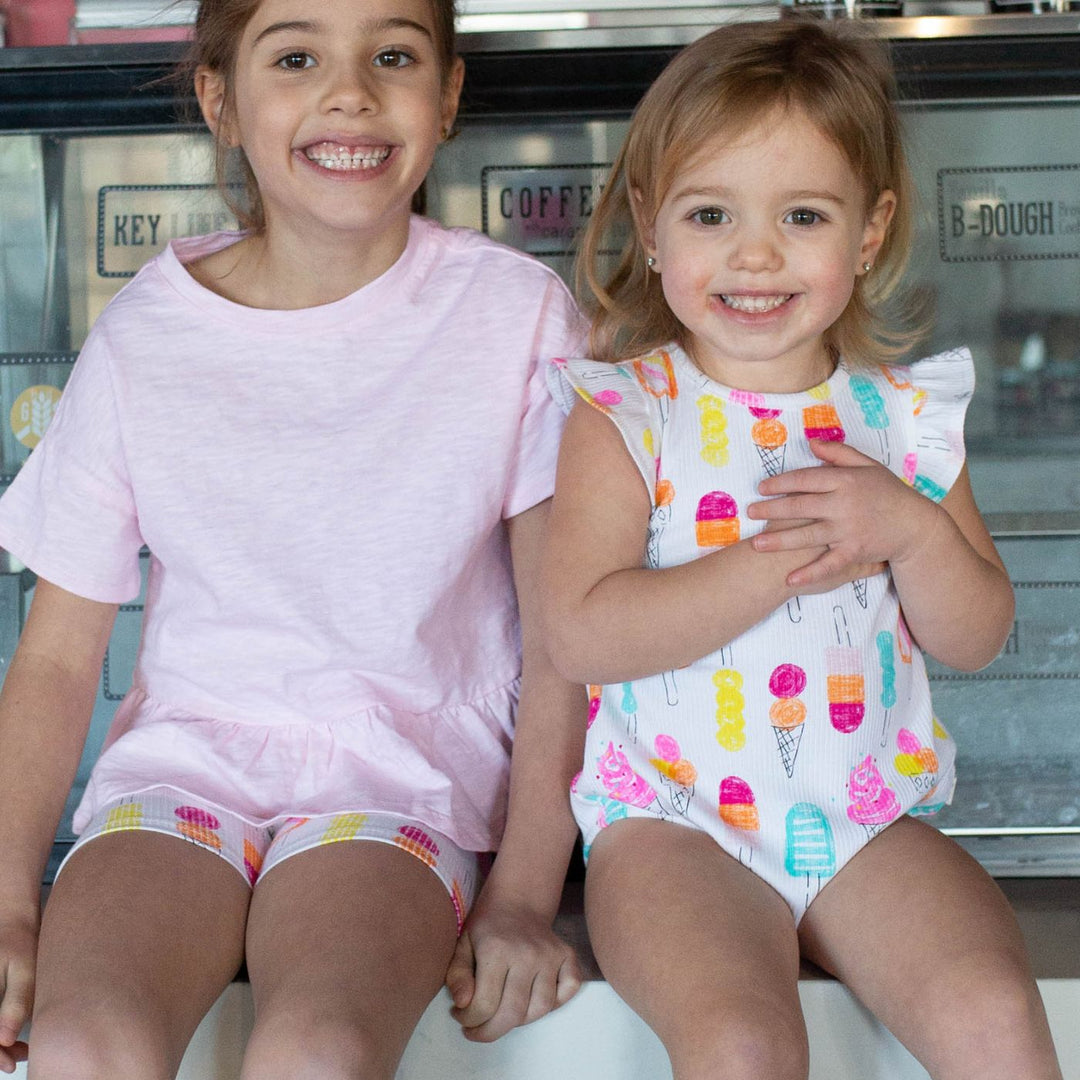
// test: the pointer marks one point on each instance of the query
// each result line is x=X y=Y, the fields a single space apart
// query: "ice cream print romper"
x=798 y=742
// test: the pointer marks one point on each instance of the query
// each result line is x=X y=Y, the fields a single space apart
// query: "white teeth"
x=342 y=158
x=755 y=304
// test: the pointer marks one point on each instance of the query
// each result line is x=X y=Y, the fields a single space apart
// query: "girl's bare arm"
x=608 y=618
x=45 y=709
x=955 y=593
x=510 y=968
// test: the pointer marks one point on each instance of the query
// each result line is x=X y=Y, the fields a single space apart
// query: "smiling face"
x=338 y=106
x=758 y=243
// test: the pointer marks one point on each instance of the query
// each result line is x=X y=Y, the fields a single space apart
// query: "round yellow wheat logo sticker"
x=31 y=413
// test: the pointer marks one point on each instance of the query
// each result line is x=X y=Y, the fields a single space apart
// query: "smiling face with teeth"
x=338 y=106
x=758 y=242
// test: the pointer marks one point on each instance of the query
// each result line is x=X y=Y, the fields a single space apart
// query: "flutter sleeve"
x=614 y=391
x=942 y=388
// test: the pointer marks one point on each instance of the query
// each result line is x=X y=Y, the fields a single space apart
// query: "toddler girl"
x=760 y=521
x=332 y=432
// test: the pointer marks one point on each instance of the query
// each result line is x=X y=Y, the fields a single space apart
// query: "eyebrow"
x=304 y=26
x=787 y=196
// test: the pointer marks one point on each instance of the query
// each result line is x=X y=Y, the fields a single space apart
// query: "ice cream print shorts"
x=254 y=849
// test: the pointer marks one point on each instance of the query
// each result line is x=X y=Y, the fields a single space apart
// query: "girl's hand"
x=863 y=514
x=18 y=950
x=509 y=969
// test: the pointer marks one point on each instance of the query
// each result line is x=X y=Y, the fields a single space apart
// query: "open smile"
x=339 y=158
x=755 y=305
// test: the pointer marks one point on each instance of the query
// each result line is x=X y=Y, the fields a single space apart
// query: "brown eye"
x=296 y=61
x=393 y=58
x=710 y=215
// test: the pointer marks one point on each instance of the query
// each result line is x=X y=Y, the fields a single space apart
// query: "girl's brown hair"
x=720 y=87
x=219 y=25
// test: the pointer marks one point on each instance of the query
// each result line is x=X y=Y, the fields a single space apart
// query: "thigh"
x=926 y=939
x=347 y=944
x=700 y=947
x=140 y=935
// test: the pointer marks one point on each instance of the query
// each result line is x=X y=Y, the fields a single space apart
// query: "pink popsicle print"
x=822 y=422
x=717 y=520
x=845 y=688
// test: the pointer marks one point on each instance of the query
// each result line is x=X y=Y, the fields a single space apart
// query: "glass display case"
x=97 y=173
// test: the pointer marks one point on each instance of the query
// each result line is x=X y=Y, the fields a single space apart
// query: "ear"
x=877 y=226
x=451 y=94
x=212 y=94
x=645 y=229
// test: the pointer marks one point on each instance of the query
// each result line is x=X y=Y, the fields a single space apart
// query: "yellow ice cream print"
x=731 y=725
x=714 y=436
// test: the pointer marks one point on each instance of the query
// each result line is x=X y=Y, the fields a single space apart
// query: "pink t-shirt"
x=330 y=618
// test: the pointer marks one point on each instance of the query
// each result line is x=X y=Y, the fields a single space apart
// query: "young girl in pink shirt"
x=331 y=430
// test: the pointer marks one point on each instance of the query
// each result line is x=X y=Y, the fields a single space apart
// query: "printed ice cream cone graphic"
x=770 y=438
x=717 y=521
x=738 y=807
x=787 y=713
x=917 y=762
x=731 y=724
x=844 y=686
x=658 y=521
x=822 y=422
x=676 y=773
x=809 y=850
x=656 y=374
x=859 y=585
x=872 y=805
x=621 y=782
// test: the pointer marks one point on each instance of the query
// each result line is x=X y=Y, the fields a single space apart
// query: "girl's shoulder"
x=458 y=246
x=945 y=375
x=938 y=390
x=634 y=394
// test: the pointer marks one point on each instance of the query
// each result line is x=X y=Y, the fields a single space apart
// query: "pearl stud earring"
x=650 y=262
x=867 y=266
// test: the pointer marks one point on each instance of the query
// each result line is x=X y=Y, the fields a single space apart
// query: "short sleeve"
x=616 y=391
x=943 y=386
x=69 y=514
x=560 y=330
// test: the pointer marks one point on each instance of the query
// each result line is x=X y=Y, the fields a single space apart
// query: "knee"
x=310 y=1047
x=753 y=1039
x=997 y=1019
x=86 y=1044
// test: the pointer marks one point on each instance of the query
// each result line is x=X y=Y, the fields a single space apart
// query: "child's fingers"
x=11 y=1055
x=801 y=536
x=569 y=980
x=487 y=996
x=460 y=975
x=18 y=991
x=831 y=567
x=838 y=453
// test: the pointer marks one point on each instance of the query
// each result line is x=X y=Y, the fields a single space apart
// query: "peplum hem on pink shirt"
x=379 y=759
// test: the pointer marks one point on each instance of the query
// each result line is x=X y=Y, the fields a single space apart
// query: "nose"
x=755 y=249
x=351 y=90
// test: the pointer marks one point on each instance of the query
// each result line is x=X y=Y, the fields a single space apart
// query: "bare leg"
x=347 y=945
x=701 y=948
x=922 y=934
x=141 y=934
